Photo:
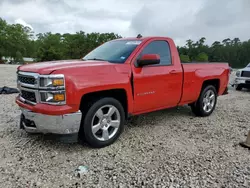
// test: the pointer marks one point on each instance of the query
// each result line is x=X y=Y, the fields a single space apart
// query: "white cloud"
x=22 y=22
x=179 y=19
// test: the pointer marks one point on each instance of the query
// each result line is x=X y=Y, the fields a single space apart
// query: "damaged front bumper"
x=67 y=124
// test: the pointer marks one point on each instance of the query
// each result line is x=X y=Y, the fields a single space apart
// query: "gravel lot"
x=169 y=148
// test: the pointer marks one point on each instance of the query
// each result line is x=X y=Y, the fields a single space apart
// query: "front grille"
x=26 y=79
x=245 y=74
x=28 y=95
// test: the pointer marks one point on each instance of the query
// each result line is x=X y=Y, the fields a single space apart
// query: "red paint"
x=155 y=87
x=150 y=57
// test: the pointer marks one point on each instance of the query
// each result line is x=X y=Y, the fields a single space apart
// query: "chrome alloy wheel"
x=106 y=122
x=208 y=101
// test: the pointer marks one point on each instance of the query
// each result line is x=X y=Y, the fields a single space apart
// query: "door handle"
x=173 y=72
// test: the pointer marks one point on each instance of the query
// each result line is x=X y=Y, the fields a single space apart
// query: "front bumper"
x=56 y=124
x=241 y=80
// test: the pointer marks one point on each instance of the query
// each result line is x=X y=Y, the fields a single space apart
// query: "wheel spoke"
x=205 y=107
x=206 y=95
x=111 y=111
x=211 y=97
x=105 y=134
x=99 y=113
x=115 y=123
x=96 y=128
x=209 y=107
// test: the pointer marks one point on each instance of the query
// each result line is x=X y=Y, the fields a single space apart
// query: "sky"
x=178 y=19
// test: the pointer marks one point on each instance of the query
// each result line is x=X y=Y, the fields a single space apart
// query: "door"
x=157 y=86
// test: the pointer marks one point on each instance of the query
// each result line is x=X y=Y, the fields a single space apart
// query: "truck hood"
x=50 y=66
x=245 y=69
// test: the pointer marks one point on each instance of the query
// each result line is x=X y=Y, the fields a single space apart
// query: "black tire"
x=197 y=107
x=86 y=133
x=238 y=87
x=194 y=109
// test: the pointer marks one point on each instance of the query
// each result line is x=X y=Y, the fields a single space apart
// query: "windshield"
x=116 y=51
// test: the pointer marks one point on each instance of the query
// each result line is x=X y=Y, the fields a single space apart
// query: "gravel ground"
x=169 y=148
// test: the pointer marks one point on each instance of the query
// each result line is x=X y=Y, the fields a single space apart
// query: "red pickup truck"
x=90 y=99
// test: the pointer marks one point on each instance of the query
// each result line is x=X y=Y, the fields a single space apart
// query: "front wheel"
x=206 y=102
x=103 y=123
x=238 y=87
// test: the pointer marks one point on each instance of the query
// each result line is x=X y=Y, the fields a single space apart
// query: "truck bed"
x=194 y=75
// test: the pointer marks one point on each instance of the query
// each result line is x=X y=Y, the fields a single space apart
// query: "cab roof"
x=141 y=38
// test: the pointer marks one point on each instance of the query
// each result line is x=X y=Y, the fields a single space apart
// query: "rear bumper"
x=57 y=124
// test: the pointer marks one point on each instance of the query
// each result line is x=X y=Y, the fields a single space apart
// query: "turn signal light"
x=58 y=82
x=59 y=97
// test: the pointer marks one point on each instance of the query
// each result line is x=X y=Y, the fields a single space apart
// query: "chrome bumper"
x=57 y=124
x=241 y=80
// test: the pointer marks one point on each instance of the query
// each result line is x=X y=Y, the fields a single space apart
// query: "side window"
x=161 y=48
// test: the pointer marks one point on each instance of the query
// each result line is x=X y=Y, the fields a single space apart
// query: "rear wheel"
x=206 y=102
x=103 y=122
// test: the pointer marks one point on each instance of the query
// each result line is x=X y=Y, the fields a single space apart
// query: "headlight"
x=238 y=73
x=52 y=81
x=53 y=97
x=52 y=89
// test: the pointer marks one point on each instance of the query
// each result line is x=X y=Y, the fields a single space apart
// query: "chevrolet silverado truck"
x=90 y=99
x=242 y=79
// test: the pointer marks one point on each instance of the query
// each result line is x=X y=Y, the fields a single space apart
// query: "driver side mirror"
x=148 y=59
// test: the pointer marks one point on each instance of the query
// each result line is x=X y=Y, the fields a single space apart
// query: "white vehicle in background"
x=242 y=79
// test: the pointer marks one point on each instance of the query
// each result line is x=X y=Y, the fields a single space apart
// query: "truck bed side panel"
x=196 y=73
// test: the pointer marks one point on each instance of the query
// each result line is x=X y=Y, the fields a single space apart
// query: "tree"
x=17 y=41
x=184 y=58
x=202 y=57
x=50 y=47
x=19 y=57
x=3 y=37
x=13 y=38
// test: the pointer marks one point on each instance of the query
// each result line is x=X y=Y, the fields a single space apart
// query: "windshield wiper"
x=96 y=59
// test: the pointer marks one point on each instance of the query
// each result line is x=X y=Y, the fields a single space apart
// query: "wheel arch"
x=213 y=82
x=119 y=94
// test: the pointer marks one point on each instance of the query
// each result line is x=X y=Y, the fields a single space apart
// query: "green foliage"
x=17 y=41
x=19 y=57
x=184 y=58
x=69 y=46
x=3 y=37
x=201 y=57
x=14 y=38
x=235 y=52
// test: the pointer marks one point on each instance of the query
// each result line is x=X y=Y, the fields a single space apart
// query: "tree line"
x=18 y=41
x=233 y=51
